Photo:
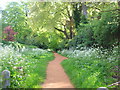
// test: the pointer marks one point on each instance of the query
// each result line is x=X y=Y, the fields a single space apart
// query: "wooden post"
x=5 y=79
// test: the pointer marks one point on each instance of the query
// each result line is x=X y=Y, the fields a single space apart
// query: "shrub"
x=9 y=33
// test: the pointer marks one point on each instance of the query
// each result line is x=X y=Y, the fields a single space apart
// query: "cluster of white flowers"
x=12 y=56
x=16 y=59
x=80 y=53
x=38 y=50
x=8 y=51
x=33 y=51
x=91 y=52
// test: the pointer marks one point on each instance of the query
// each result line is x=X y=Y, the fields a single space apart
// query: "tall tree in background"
x=54 y=16
x=77 y=13
x=15 y=16
x=49 y=24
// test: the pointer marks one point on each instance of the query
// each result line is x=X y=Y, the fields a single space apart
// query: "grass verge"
x=27 y=65
x=87 y=69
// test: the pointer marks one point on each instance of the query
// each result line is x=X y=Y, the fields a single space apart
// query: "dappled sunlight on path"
x=56 y=77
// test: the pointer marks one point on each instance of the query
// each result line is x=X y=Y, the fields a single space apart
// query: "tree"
x=101 y=27
x=106 y=29
x=9 y=33
x=55 y=16
x=15 y=16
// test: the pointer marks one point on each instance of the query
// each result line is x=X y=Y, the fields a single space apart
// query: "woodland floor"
x=56 y=77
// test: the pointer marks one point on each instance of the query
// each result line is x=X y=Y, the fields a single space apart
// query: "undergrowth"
x=91 y=68
x=27 y=65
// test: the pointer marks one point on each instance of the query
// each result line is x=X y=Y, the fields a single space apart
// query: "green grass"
x=37 y=70
x=89 y=71
x=27 y=65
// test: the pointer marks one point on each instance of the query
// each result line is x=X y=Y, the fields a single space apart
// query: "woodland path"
x=56 y=77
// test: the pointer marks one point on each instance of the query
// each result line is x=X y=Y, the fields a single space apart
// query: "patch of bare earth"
x=56 y=77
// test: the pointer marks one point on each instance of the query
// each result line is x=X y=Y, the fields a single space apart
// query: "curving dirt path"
x=56 y=77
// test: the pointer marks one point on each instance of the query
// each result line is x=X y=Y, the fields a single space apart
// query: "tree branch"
x=59 y=29
x=59 y=35
x=65 y=33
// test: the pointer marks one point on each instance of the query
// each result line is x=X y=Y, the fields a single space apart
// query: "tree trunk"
x=71 y=27
x=84 y=9
x=77 y=13
x=118 y=27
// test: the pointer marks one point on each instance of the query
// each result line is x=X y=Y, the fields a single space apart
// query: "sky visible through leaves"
x=3 y=3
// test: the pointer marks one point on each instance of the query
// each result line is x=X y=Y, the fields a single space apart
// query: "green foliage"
x=91 y=68
x=39 y=62
x=83 y=38
x=17 y=45
x=101 y=27
x=105 y=29
x=26 y=64
x=15 y=16
x=35 y=23
x=77 y=13
x=103 y=32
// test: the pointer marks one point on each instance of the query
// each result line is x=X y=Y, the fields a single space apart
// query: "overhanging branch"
x=64 y=32
x=59 y=29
